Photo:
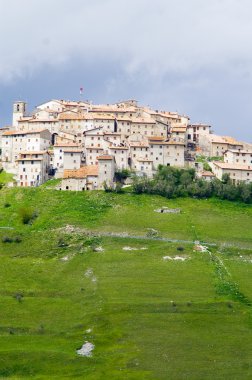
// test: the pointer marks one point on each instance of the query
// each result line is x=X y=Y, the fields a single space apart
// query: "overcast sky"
x=190 y=56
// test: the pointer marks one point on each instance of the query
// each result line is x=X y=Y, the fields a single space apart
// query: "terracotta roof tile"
x=105 y=157
x=83 y=172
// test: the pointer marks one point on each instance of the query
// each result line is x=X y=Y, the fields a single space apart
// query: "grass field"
x=148 y=318
x=5 y=177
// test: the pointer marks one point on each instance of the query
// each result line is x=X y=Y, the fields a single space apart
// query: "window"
x=23 y=169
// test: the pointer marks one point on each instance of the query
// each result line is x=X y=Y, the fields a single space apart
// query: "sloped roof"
x=83 y=172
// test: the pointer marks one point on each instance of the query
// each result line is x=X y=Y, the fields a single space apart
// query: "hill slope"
x=92 y=267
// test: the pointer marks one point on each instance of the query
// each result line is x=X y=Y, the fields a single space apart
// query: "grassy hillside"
x=5 y=177
x=90 y=268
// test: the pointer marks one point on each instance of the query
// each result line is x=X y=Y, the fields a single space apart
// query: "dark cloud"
x=190 y=56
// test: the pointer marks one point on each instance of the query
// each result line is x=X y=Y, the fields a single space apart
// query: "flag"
x=81 y=90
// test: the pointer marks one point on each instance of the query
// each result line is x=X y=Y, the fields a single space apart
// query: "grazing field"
x=107 y=269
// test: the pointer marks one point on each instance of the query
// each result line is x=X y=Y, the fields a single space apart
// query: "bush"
x=180 y=249
x=7 y=239
x=27 y=215
x=7 y=205
x=121 y=175
x=62 y=243
x=18 y=296
x=17 y=239
x=92 y=242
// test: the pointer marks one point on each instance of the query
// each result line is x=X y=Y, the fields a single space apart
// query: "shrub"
x=121 y=175
x=7 y=239
x=17 y=239
x=18 y=296
x=62 y=242
x=7 y=205
x=151 y=233
x=27 y=215
x=92 y=242
x=180 y=249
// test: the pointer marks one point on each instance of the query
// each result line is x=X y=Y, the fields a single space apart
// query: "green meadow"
x=107 y=269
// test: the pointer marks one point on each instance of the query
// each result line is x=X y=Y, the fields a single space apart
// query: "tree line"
x=172 y=182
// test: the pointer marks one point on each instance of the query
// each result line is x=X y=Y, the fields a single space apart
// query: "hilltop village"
x=85 y=144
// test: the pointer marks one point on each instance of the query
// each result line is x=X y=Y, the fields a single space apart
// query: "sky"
x=190 y=56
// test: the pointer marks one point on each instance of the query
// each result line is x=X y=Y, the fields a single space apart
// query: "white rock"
x=86 y=349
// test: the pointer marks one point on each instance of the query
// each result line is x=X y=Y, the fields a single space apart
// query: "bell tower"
x=19 y=109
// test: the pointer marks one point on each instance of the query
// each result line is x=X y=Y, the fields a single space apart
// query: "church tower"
x=19 y=109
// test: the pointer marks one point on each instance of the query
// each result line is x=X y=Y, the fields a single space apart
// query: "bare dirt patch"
x=176 y=258
x=166 y=210
x=134 y=249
